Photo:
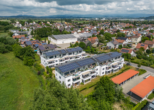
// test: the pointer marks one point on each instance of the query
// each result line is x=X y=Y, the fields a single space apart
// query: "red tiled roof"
x=124 y=76
x=119 y=40
x=18 y=36
x=148 y=42
x=143 y=88
x=130 y=50
x=139 y=45
x=92 y=39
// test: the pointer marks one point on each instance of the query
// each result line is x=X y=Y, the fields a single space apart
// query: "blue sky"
x=58 y=7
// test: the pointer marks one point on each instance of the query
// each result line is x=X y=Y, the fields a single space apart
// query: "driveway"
x=62 y=46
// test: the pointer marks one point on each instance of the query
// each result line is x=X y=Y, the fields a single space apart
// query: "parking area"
x=133 y=82
x=63 y=46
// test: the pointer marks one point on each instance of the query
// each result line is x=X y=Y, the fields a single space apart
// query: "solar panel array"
x=115 y=54
x=86 y=62
x=142 y=44
x=124 y=50
x=69 y=67
x=28 y=43
x=77 y=64
x=63 y=51
x=122 y=38
x=52 y=53
x=64 y=36
x=103 y=58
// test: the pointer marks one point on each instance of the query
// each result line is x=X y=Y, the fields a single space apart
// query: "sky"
x=75 y=7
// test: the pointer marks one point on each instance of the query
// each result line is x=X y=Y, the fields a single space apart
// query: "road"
x=143 y=67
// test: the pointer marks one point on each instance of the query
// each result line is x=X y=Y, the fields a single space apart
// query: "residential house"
x=93 y=40
x=136 y=38
x=84 y=70
x=18 y=36
x=149 y=43
x=139 y=45
x=130 y=51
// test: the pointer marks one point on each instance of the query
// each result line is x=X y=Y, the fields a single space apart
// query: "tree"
x=119 y=34
x=139 y=65
x=88 y=50
x=120 y=47
x=108 y=36
x=57 y=97
x=82 y=45
x=101 y=32
x=148 y=51
x=29 y=61
x=48 y=41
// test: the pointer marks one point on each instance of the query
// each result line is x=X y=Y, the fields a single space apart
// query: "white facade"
x=57 y=59
x=62 y=41
x=86 y=73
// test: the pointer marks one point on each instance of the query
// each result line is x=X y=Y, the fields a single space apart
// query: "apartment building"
x=84 y=70
x=58 y=57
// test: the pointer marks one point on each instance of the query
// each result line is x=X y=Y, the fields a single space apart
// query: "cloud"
x=50 y=7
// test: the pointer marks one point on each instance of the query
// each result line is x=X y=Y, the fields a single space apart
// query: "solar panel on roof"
x=124 y=50
x=103 y=58
x=115 y=54
x=68 y=67
x=142 y=44
x=62 y=51
x=65 y=36
x=86 y=62
x=52 y=53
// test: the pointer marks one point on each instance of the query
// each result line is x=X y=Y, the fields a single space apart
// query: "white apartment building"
x=58 y=57
x=84 y=70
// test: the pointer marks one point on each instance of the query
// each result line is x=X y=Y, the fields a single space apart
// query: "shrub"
x=151 y=96
x=142 y=104
x=142 y=71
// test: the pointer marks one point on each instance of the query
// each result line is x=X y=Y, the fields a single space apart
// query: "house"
x=136 y=38
x=149 y=43
x=84 y=70
x=45 y=48
x=62 y=39
x=93 y=40
x=113 y=44
x=18 y=36
x=33 y=43
x=130 y=51
x=139 y=45
x=54 y=58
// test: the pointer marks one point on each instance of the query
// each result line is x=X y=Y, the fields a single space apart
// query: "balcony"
x=51 y=62
x=67 y=58
x=76 y=79
x=108 y=68
x=115 y=66
x=92 y=72
x=62 y=60
x=86 y=75
x=84 y=55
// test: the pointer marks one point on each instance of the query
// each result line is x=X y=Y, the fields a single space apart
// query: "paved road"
x=143 y=67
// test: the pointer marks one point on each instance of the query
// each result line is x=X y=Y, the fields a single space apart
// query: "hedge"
x=151 y=96
x=142 y=71
x=142 y=104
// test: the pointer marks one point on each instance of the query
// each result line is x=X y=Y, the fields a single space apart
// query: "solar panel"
x=86 y=62
x=28 y=43
x=142 y=44
x=52 y=53
x=62 y=51
x=65 y=36
x=41 y=48
x=68 y=67
x=124 y=50
x=103 y=58
x=115 y=54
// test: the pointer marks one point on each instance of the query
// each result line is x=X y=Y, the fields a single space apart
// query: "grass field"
x=17 y=83
x=3 y=34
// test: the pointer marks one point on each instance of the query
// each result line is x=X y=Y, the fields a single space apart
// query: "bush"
x=142 y=104
x=151 y=96
x=142 y=71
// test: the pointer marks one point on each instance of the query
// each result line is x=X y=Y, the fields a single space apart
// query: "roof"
x=119 y=40
x=151 y=105
x=104 y=57
x=76 y=64
x=92 y=39
x=115 y=42
x=124 y=76
x=125 y=50
x=122 y=38
x=148 y=42
x=47 y=47
x=28 y=43
x=143 y=88
x=64 y=36
x=71 y=50
x=139 y=45
x=19 y=36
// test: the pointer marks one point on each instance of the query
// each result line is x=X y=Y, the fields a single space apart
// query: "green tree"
x=101 y=32
x=82 y=45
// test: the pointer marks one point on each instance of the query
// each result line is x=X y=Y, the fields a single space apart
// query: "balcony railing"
x=76 y=79
x=50 y=62
x=86 y=76
x=115 y=66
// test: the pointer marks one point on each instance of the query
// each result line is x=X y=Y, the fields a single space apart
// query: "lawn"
x=3 y=34
x=17 y=83
x=142 y=71
x=151 y=96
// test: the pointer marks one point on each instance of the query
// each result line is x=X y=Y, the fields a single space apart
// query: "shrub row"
x=142 y=104
x=88 y=87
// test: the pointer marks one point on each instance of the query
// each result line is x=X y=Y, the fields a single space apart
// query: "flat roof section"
x=143 y=88
x=124 y=76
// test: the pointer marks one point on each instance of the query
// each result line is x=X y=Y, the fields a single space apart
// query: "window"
x=103 y=69
x=59 y=77
x=68 y=85
x=69 y=80
x=102 y=72
x=51 y=57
